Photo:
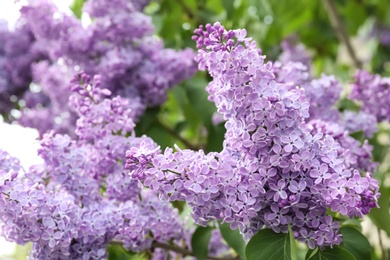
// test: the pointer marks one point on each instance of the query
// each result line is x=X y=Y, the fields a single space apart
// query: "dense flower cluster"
x=118 y=44
x=360 y=121
x=293 y=69
x=323 y=94
x=293 y=51
x=276 y=168
x=79 y=200
x=374 y=92
x=18 y=49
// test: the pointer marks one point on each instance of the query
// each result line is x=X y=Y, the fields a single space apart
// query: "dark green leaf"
x=293 y=251
x=355 y=243
x=200 y=242
x=359 y=136
x=234 y=239
x=353 y=222
x=179 y=205
x=267 y=244
x=380 y=216
x=198 y=99
x=147 y=120
x=347 y=104
x=215 y=138
x=335 y=253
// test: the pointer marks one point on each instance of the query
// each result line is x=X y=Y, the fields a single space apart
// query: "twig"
x=187 y=9
x=341 y=32
x=177 y=136
x=383 y=250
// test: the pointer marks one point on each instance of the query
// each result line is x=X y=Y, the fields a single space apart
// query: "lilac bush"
x=288 y=163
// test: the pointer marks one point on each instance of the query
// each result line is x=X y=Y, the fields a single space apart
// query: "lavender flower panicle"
x=373 y=92
x=49 y=46
x=275 y=169
x=78 y=201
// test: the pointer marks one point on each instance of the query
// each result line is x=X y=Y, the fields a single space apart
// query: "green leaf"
x=353 y=222
x=355 y=243
x=200 y=242
x=359 y=136
x=215 y=138
x=293 y=246
x=198 y=98
x=146 y=121
x=380 y=216
x=117 y=252
x=77 y=7
x=234 y=239
x=354 y=14
x=335 y=253
x=267 y=244
x=229 y=7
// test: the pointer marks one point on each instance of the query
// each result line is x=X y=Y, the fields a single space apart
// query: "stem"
x=177 y=173
x=177 y=136
x=383 y=250
x=186 y=9
x=341 y=32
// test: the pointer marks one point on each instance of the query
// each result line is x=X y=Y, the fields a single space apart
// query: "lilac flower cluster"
x=294 y=51
x=118 y=44
x=18 y=50
x=323 y=94
x=382 y=33
x=373 y=91
x=360 y=121
x=79 y=200
x=276 y=168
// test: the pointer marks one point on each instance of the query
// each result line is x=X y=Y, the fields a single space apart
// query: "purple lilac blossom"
x=78 y=201
x=294 y=51
x=118 y=44
x=373 y=91
x=18 y=50
x=382 y=33
x=360 y=121
x=275 y=169
x=322 y=94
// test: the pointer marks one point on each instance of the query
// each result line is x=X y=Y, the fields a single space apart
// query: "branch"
x=383 y=250
x=177 y=136
x=341 y=32
x=187 y=9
